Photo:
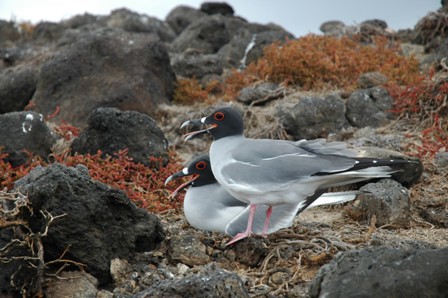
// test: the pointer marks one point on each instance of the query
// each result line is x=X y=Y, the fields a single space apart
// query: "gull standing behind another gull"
x=275 y=172
x=208 y=206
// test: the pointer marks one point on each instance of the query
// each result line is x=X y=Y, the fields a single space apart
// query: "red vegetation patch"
x=8 y=174
x=313 y=63
x=426 y=103
x=67 y=131
x=189 y=91
x=316 y=62
x=434 y=138
x=143 y=185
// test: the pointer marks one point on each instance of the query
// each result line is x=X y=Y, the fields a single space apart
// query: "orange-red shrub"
x=316 y=62
x=143 y=185
x=426 y=103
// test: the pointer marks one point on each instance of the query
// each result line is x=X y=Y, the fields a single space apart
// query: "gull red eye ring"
x=219 y=116
x=201 y=165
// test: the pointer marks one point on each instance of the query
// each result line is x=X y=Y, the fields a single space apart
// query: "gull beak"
x=178 y=175
x=192 y=122
x=174 y=176
x=193 y=134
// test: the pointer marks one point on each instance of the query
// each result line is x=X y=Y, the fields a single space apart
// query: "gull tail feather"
x=333 y=198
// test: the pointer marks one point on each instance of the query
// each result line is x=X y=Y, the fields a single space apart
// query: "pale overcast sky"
x=297 y=16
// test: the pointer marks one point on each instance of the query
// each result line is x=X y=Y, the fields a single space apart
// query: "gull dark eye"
x=219 y=116
x=201 y=165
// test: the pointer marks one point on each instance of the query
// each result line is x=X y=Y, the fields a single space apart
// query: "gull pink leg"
x=248 y=231
x=266 y=221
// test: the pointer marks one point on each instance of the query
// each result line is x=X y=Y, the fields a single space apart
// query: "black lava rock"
x=111 y=130
x=99 y=223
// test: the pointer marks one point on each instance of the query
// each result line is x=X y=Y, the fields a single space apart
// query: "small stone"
x=250 y=251
x=371 y=79
x=333 y=28
x=73 y=284
x=209 y=250
x=260 y=92
x=370 y=28
x=434 y=210
x=376 y=23
x=182 y=269
x=188 y=250
x=210 y=282
x=441 y=160
x=386 y=202
x=279 y=277
x=104 y=294
x=412 y=50
x=119 y=270
x=230 y=254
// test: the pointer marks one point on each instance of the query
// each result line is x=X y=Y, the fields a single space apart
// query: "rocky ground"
x=76 y=222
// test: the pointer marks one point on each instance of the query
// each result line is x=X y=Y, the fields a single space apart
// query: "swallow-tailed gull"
x=208 y=206
x=275 y=172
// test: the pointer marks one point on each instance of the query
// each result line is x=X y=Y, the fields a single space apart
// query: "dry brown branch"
x=12 y=205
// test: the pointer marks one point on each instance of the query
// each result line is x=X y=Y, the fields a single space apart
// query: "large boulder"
x=217 y=8
x=207 y=34
x=109 y=131
x=121 y=18
x=17 y=86
x=182 y=16
x=139 y=23
x=97 y=223
x=263 y=39
x=107 y=67
x=197 y=66
x=384 y=272
x=47 y=32
x=22 y=133
x=369 y=107
x=248 y=41
x=80 y=20
x=312 y=117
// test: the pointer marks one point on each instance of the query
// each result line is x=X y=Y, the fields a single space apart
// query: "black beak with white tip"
x=193 y=134
x=175 y=176
x=178 y=175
